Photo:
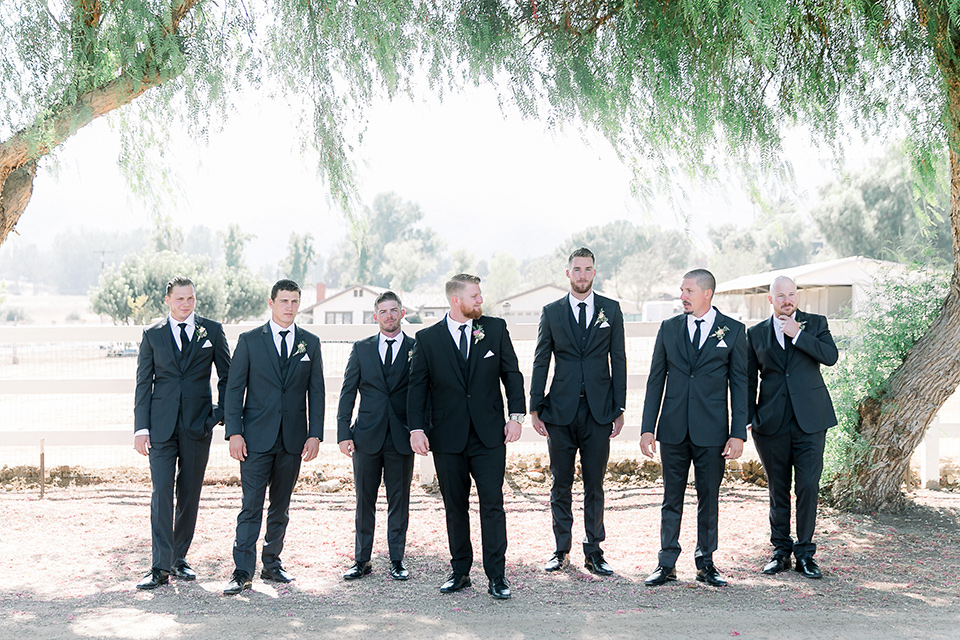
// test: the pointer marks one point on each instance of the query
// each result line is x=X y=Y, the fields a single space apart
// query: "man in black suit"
x=276 y=382
x=455 y=409
x=584 y=408
x=697 y=357
x=173 y=419
x=379 y=441
x=790 y=419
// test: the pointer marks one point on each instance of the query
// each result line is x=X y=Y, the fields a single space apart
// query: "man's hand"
x=310 y=449
x=346 y=448
x=419 y=442
x=238 y=448
x=142 y=444
x=511 y=431
x=617 y=427
x=789 y=326
x=648 y=444
x=733 y=449
x=538 y=425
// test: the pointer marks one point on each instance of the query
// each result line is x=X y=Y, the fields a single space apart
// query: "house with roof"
x=835 y=288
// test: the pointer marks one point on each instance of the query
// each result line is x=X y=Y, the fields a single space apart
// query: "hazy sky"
x=484 y=180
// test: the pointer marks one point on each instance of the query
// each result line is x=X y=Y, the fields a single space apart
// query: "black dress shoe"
x=808 y=568
x=154 y=579
x=358 y=570
x=596 y=564
x=239 y=582
x=499 y=588
x=661 y=576
x=277 y=574
x=711 y=576
x=398 y=571
x=455 y=582
x=777 y=564
x=557 y=562
x=183 y=571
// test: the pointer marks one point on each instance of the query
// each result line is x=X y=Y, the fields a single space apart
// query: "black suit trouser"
x=708 y=467
x=176 y=470
x=396 y=471
x=792 y=454
x=487 y=466
x=277 y=469
x=592 y=439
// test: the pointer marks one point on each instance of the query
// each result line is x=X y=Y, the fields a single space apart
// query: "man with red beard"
x=455 y=409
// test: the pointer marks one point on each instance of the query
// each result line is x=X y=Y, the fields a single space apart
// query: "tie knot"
x=582 y=305
x=390 y=342
x=182 y=325
x=463 y=328
x=284 y=334
x=698 y=321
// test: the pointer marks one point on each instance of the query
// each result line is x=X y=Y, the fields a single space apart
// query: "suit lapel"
x=684 y=343
x=294 y=356
x=475 y=348
x=271 y=350
x=401 y=364
x=169 y=343
x=561 y=312
x=371 y=351
x=448 y=347
x=195 y=343
x=779 y=353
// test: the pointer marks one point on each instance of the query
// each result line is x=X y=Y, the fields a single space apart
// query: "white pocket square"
x=489 y=354
x=722 y=344
x=207 y=345
x=605 y=325
x=305 y=358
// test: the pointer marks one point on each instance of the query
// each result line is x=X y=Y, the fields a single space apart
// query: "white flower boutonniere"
x=409 y=355
x=601 y=318
x=803 y=325
x=201 y=332
x=720 y=333
x=478 y=333
x=301 y=348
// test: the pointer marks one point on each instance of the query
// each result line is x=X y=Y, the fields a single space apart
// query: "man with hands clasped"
x=698 y=357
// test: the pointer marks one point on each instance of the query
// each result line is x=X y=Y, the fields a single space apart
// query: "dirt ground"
x=69 y=563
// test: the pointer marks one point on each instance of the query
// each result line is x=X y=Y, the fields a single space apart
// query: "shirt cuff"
x=141 y=432
x=796 y=335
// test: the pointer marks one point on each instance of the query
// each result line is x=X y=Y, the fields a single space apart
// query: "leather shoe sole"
x=455 y=583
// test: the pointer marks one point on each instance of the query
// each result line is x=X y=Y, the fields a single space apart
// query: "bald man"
x=790 y=419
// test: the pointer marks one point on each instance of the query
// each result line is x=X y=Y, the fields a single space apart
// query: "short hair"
x=283 y=285
x=179 y=281
x=457 y=283
x=704 y=278
x=774 y=282
x=582 y=252
x=384 y=297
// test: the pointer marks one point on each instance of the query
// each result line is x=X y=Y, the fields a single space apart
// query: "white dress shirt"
x=175 y=328
x=276 y=329
x=709 y=318
x=778 y=329
x=575 y=307
x=454 y=327
x=396 y=345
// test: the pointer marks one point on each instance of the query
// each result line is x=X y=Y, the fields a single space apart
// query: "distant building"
x=525 y=307
x=835 y=288
x=353 y=305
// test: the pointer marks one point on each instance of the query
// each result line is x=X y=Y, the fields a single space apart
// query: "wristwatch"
x=518 y=417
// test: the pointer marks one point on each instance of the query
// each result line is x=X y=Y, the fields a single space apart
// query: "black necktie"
x=388 y=359
x=284 y=354
x=184 y=340
x=463 y=341
x=582 y=318
x=696 y=335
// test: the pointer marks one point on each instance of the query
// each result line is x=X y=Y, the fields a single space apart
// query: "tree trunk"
x=894 y=424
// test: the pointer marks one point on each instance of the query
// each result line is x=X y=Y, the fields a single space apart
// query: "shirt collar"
x=276 y=328
x=575 y=302
x=191 y=320
x=399 y=337
x=454 y=326
x=709 y=318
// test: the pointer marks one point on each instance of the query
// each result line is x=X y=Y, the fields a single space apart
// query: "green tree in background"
x=300 y=256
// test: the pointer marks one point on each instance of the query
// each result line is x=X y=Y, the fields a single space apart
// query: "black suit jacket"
x=600 y=367
x=260 y=398
x=383 y=402
x=168 y=386
x=691 y=397
x=458 y=398
x=800 y=377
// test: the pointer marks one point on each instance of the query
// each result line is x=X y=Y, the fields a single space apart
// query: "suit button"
x=691 y=376
x=788 y=375
x=468 y=395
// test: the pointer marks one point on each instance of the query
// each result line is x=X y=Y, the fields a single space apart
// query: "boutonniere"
x=719 y=333
x=803 y=325
x=201 y=332
x=301 y=348
x=409 y=355
x=601 y=318
x=478 y=333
